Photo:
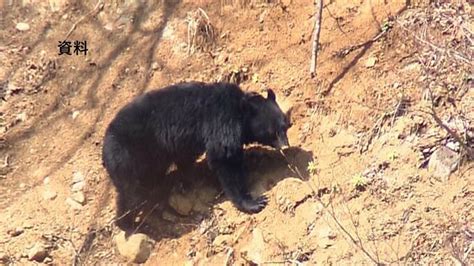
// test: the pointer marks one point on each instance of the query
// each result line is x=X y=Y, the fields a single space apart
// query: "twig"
x=357 y=243
x=317 y=29
x=145 y=217
x=346 y=51
x=97 y=8
x=127 y=212
x=434 y=115
x=451 y=52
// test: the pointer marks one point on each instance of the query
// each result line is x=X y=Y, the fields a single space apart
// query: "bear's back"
x=178 y=115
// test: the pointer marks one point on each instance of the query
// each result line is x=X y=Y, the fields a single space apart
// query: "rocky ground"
x=380 y=169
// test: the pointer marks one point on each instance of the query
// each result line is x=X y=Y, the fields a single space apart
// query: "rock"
x=78 y=181
x=443 y=162
x=291 y=192
x=38 y=252
x=78 y=186
x=182 y=204
x=21 y=117
x=155 y=66
x=15 y=231
x=137 y=248
x=49 y=194
x=201 y=207
x=260 y=250
x=371 y=62
x=22 y=26
x=79 y=197
x=75 y=114
x=414 y=66
x=46 y=180
x=453 y=145
x=77 y=177
x=73 y=204
x=109 y=26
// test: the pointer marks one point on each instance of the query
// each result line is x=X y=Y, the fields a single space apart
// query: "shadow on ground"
x=265 y=167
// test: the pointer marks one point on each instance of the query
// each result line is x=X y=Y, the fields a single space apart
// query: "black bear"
x=179 y=123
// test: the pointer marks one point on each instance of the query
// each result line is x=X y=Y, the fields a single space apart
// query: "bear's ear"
x=271 y=95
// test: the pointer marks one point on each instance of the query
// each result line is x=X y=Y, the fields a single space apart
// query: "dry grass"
x=202 y=35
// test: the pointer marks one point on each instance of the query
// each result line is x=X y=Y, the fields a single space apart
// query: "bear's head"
x=265 y=122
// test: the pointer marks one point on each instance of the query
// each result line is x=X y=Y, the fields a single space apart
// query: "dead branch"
x=357 y=242
x=318 y=4
x=99 y=6
x=453 y=134
x=455 y=54
x=346 y=51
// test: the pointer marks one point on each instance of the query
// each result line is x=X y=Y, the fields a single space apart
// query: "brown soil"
x=56 y=108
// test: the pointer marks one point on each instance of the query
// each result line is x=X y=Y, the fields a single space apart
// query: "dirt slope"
x=366 y=182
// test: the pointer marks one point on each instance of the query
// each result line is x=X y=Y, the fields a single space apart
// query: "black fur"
x=179 y=123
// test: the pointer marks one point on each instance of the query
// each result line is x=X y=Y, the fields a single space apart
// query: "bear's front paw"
x=254 y=205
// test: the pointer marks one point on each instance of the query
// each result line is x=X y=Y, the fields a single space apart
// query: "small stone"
x=21 y=117
x=257 y=251
x=78 y=186
x=79 y=197
x=22 y=26
x=77 y=177
x=137 y=248
x=415 y=66
x=73 y=204
x=75 y=114
x=22 y=185
x=371 y=61
x=49 y=194
x=46 y=180
x=443 y=162
x=183 y=205
x=155 y=66
x=38 y=252
x=453 y=145
x=109 y=26
x=15 y=231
